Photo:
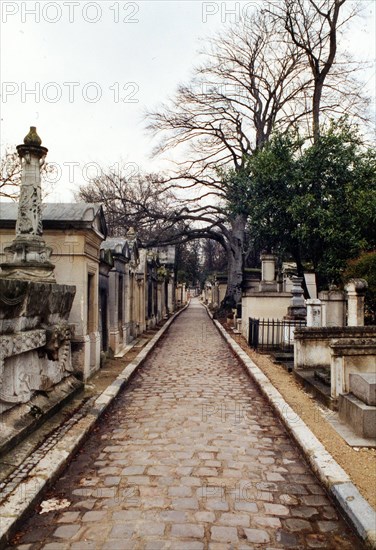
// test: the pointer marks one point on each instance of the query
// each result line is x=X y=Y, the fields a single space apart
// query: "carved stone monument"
x=28 y=256
x=36 y=371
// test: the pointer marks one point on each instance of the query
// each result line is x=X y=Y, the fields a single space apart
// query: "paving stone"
x=69 y=517
x=276 y=509
x=267 y=521
x=244 y=506
x=304 y=511
x=119 y=544
x=234 y=519
x=288 y=540
x=66 y=531
x=257 y=536
x=150 y=529
x=327 y=526
x=82 y=545
x=121 y=531
x=52 y=546
x=94 y=516
x=224 y=534
x=205 y=517
x=187 y=530
x=180 y=491
x=184 y=504
x=186 y=545
x=296 y=525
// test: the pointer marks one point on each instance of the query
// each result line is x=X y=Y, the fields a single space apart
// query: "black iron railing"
x=272 y=334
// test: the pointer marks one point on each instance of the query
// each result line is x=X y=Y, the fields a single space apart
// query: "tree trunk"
x=316 y=102
x=235 y=265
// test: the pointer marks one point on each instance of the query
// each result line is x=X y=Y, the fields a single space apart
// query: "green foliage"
x=188 y=262
x=315 y=202
x=364 y=267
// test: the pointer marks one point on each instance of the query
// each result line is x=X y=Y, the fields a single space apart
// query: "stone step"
x=363 y=386
x=361 y=417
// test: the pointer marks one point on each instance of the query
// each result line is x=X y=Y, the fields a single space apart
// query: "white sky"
x=113 y=50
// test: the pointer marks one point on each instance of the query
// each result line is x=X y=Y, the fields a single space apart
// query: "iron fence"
x=272 y=334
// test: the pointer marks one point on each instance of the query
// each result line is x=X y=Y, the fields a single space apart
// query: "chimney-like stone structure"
x=356 y=290
x=297 y=310
x=314 y=313
x=268 y=281
x=28 y=256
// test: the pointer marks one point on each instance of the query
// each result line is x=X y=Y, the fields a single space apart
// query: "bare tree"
x=10 y=175
x=249 y=85
x=314 y=27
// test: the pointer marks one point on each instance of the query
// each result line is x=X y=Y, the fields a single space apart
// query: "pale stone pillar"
x=333 y=307
x=267 y=267
x=314 y=310
x=268 y=281
x=355 y=289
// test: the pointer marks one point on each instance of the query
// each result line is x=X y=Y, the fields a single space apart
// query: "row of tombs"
x=322 y=339
x=69 y=296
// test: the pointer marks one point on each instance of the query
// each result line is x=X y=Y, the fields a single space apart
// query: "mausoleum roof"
x=60 y=216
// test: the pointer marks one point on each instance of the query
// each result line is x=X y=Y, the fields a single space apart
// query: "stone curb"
x=28 y=492
x=352 y=505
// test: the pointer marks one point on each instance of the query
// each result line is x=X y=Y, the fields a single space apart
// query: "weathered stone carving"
x=28 y=256
x=35 y=347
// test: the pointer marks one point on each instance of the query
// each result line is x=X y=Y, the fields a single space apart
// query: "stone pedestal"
x=314 y=313
x=333 y=307
x=35 y=352
x=360 y=416
x=356 y=289
x=297 y=310
x=363 y=386
x=268 y=282
x=358 y=408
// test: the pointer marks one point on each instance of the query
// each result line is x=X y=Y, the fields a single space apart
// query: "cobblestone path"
x=189 y=458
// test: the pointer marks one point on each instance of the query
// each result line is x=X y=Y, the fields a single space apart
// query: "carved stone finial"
x=32 y=138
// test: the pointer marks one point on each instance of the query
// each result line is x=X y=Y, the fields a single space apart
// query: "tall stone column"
x=28 y=256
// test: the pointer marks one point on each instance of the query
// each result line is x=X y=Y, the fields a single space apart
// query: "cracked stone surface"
x=190 y=457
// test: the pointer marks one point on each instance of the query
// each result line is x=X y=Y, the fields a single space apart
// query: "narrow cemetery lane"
x=190 y=457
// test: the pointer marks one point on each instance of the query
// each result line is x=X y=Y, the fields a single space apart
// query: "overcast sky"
x=84 y=73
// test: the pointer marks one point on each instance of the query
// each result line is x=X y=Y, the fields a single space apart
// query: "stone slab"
x=363 y=386
x=361 y=417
